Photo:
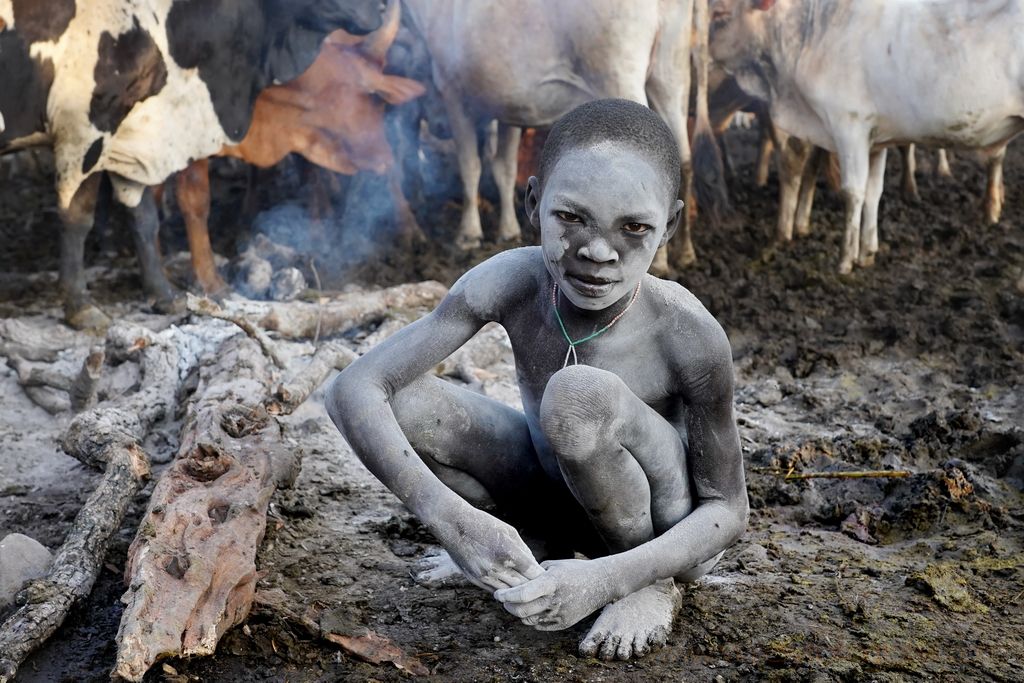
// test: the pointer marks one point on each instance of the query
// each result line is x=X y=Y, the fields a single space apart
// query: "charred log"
x=191 y=569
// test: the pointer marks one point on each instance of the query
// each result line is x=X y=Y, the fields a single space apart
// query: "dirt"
x=915 y=364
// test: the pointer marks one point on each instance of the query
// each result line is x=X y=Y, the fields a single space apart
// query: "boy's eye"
x=636 y=228
x=568 y=217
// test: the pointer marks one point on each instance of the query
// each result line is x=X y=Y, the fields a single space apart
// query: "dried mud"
x=915 y=364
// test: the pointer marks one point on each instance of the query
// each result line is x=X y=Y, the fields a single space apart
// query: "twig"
x=849 y=474
x=207 y=307
x=319 y=303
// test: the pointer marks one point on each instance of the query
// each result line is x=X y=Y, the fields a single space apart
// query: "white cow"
x=853 y=76
x=528 y=62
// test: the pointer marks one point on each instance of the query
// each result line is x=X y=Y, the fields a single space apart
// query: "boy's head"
x=617 y=121
x=606 y=199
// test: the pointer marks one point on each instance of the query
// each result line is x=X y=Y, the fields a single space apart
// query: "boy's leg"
x=482 y=449
x=626 y=465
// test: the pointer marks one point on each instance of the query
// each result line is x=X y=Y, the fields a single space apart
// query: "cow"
x=526 y=63
x=332 y=114
x=945 y=73
x=138 y=89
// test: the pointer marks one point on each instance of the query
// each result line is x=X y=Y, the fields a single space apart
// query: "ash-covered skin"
x=631 y=458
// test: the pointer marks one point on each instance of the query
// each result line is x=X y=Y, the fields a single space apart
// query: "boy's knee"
x=579 y=409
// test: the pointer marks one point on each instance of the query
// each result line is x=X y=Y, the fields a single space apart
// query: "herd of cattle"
x=142 y=90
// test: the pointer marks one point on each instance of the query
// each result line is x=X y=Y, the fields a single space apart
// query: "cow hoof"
x=866 y=261
x=170 y=306
x=87 y=317
x=846 y=267
x=467 y=243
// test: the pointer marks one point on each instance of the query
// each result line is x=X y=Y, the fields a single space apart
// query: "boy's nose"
x=599 y=251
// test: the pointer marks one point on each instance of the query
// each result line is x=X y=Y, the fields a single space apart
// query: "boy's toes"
x=609 y=647
x=590 y=644
x=438 y=570
x=625 y=650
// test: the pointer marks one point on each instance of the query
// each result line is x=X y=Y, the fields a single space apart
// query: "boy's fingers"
x=527 y=592
x=528 y=609
x=532 y=570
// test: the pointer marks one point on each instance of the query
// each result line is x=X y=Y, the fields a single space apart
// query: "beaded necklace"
x=571 y=351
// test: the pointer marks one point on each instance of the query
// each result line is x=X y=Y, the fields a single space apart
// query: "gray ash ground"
x=914 y=364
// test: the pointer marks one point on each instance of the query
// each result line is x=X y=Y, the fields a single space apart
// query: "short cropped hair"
x=614 y=120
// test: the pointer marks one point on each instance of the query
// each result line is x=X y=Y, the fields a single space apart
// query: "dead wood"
x=51 y=400
x=82 y=391
x=301 y=320
x=208 y=307
x=191 y=569
x=105 y=438
x=29 y=376
x=328 y=358
x=9 y=349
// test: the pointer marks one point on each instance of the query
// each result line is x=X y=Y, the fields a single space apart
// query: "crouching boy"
x=626 y=451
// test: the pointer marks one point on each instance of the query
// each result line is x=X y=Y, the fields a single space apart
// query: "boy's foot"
x=635 y=625
x=438 y=569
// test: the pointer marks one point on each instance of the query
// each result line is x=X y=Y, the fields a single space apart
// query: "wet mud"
x=914 y=365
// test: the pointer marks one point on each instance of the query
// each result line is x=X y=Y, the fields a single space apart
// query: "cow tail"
x=709 y=173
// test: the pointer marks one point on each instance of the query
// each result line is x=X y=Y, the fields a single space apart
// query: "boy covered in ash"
x=626 y=450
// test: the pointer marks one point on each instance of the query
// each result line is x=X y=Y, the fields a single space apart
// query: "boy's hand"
x=491 y=552
x=565 y=593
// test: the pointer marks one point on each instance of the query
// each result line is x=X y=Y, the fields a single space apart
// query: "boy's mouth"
x=590 y=285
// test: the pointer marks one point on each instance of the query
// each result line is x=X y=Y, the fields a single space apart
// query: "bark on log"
x=299 y=320
x=191 y=569
x=106 y=438
x=289 y=395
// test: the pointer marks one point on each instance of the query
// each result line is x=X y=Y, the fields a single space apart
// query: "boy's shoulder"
x=685 y=322
x=509 y=277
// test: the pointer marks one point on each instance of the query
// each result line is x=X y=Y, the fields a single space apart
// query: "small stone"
x=254 y=276
x=287 y=284
x=768 y=393
x=21 y=560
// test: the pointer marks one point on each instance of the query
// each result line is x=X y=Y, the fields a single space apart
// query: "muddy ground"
x=917 y=364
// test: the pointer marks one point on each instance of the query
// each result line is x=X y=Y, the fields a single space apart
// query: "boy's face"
x=604 y=211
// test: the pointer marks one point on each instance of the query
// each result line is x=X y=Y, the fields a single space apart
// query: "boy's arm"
x=717 y=520
x=490 y=551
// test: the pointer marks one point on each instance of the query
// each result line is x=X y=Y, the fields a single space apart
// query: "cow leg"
x=145 y=226
x=792 y=159
x=408 y=227
x=505 y=166
x=764 y=151
x=808 y=184
x=872 y=196
x=79 y=311
x=464 y=132
x=192 y=188
x=942 y=168
x=853 y=155
x=995 y=192
x=909 y=179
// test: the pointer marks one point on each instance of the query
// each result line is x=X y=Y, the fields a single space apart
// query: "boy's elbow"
x=740 y=508
x=341 y=396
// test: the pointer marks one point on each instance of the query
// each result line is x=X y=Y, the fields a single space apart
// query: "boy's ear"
x=531 y=202
x=673 y=222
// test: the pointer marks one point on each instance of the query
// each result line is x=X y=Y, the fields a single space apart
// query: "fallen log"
x=291 y=394
x=105 y=438
x=191 y=569
x=302 y=320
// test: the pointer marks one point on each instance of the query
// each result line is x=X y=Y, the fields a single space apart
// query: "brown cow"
x=333 y=115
